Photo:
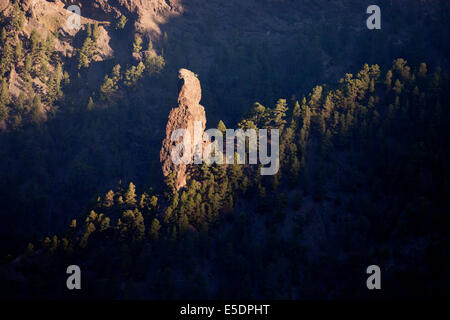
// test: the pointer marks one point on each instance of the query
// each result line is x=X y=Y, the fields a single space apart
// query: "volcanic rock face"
x=188 y=112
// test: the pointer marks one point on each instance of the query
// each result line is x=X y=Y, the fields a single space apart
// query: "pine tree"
x=132 y=224
x=49 y=46
x=4 y=100
x=130 y=195
x=183 y=224
x=18 y=17
x=153 y=201
x=150 y=45
x=221 y=127
x=95 y=32
x=36 y=109
x=115 y=74
x=121 y=23
x=258 y=114
x=86 y=53
x=104 y=223
x=3 y=36
x=296 y=112
x=58 y=78
x=372 y=85
x=7 y=59
x=316 y=95
x=44 y=69
x=279 y=114
x=137 y=44
x=52 y=93
x=388 y=81
x=21 y=100
x=4 y=92
x=66 y=78
x=154 y=64
x=91 y=104
x=28 y=64
x=110 y=84
x=423 y=70
x=107 y=89
x=3 y=111
x=54 y=244
x=109 y=199
x=34 y=42
x=328 y=106
x=89 y=30
x=19 y=50
x=28 y=85
x=398 y=87
x=133 y=75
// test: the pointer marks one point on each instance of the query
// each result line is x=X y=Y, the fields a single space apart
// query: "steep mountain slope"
x=363 y=180
x=299 y=37
x=83 y=124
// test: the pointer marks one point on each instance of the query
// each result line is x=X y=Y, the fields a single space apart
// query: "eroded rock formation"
x=184 y=116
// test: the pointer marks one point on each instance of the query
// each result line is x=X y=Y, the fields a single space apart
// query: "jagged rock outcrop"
x=50 y=17
x=148 y=15
x=184 y=116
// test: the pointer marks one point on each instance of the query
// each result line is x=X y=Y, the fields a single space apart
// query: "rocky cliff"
x=148 y=15
x=184 y=116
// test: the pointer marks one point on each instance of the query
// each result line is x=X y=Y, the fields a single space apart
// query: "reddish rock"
x=3 y=4
x=184 y=116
